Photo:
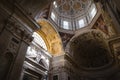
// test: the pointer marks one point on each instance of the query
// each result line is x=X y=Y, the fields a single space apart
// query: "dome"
x=89 y=57
x=70 y=8
x=72 y=14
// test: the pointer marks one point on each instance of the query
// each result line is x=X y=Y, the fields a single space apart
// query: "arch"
x=39 y=40
x=51 y=37
x=90 y=50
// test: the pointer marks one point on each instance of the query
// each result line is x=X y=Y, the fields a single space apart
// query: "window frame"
x=53 y=16
x=65 y=24
x=83 y=23
x=93 y=11
x=39 y=40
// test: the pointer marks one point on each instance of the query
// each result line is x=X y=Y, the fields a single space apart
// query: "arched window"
x=39 y=40
x=35 y=52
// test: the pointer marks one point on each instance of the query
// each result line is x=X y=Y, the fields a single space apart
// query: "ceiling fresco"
x=70 y=7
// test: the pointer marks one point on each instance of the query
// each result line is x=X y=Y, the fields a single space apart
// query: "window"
x=71 y=18
x=65 y=24
x=81 y=23
x=38 y=39
x=53 y=16
x=93 y=12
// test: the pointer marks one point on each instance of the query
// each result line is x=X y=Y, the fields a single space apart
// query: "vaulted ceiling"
x=71 y=7
x=51 y=37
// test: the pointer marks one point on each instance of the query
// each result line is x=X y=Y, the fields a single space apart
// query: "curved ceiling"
x=71 y=7
x=72 y=14
x=90 y=50
x=51 y=37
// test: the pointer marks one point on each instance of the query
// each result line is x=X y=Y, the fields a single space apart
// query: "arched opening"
x=46 y=43
x=51 y=37
x=37 y=50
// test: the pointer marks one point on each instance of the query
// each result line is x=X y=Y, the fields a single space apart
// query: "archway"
x=51 y=37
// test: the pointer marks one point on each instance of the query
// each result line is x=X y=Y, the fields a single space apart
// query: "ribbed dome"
x=71 y=7
x=72 y=14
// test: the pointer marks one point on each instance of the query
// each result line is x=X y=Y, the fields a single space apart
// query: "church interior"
x=59 y=39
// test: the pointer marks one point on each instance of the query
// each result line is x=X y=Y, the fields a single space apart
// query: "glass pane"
x=38 y=39
x=65 y=25
x=81 y=23
x=53 y=16
x=93 y=12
